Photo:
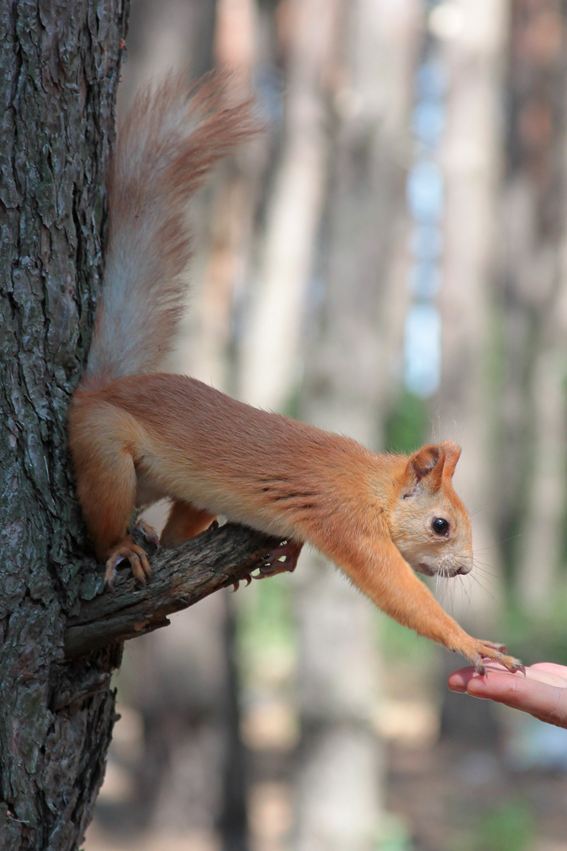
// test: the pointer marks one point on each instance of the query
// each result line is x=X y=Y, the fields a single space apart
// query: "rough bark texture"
x=59 y=65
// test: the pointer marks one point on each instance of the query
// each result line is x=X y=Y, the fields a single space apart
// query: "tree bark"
x=60 y=64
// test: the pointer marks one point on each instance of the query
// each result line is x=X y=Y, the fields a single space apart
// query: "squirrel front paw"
x=494 y=651
x=127 y=550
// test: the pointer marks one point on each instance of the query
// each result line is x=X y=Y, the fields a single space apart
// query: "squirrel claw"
x=236 y=585
x=479 y=668
x=128 y=551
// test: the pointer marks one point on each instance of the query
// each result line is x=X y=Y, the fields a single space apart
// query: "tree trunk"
x=269 y=359
x=471 y=160
x=60 y=63
x=534 y=290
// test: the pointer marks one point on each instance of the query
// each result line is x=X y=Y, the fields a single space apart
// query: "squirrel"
x=137 y=435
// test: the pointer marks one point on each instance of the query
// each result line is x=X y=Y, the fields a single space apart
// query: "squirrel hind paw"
x=132 y=553
x=282 y=559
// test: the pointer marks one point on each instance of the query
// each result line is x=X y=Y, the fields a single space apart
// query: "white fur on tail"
x=170 y=140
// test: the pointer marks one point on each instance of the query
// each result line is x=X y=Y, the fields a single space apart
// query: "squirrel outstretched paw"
x=131 y=552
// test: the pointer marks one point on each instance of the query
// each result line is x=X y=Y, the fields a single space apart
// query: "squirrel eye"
x=440 y=526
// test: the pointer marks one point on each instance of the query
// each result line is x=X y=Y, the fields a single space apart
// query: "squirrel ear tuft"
x=427 y=465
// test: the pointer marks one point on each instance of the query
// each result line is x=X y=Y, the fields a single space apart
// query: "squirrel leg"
x=107 y=500
x=382 y=574
x=184 y=522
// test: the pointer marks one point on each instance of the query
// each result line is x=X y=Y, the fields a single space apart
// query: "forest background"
x=387 y=260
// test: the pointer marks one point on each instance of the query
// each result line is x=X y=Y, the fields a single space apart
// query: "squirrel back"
x=171 y=138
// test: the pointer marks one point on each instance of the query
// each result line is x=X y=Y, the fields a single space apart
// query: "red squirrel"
x=138 y=435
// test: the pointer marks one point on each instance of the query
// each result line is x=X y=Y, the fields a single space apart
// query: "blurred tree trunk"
x=166 y=35
x=356 y=313
x=235 y=200
x=534 y=300
x=60 y=64
x=180 y=680
x=269 y=358
x=471 y=160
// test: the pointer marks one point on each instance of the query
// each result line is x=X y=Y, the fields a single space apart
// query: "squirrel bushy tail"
x=171 y=138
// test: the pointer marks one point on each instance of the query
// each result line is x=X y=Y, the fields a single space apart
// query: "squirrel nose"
x=464 y=569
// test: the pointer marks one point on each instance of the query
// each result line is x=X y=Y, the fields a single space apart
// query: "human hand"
x=542 y=691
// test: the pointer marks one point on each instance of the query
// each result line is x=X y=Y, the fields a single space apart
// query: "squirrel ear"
x=452 y=455
x=427 y=463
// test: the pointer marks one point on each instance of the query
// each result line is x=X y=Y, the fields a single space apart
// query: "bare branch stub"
x=180 y=577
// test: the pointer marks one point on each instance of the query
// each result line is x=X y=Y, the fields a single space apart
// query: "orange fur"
x=184 y=522
x=137 y=437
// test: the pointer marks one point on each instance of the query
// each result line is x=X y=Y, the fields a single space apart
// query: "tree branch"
x=180 y=577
